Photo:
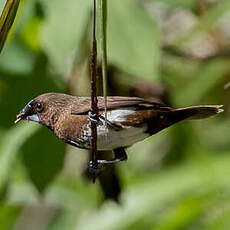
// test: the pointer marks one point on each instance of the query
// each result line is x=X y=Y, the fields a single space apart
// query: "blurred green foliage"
x=177 y=179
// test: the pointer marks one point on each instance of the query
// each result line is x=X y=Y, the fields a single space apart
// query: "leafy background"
x=178 y=179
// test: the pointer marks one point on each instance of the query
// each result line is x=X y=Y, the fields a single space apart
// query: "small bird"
x=129 y=119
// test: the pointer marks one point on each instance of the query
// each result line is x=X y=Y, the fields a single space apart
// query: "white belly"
x=109 y=139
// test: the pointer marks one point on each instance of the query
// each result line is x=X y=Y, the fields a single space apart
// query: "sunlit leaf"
x=63 y=30
x=133 y=41
x=30 y=34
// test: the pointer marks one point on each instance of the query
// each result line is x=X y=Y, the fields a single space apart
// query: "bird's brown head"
x=45 y=109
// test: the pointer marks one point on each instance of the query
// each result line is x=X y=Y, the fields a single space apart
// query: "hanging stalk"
x=6 y=20
x=94 y=108
x=103 y=36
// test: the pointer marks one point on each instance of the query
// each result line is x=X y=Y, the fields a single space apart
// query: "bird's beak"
x=25 y=113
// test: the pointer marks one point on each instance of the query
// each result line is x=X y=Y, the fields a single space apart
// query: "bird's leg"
x=120 y=155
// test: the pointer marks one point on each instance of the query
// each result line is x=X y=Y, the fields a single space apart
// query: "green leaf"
x=156 y=192
x=182 y=214
x=209 y=76
x=9 y=146
x=14 y=95
x=17 y=90
x=15 y=58
x=43 y=155
x=7 y=19
x=8 y=215
x=63 y=30
x=133 y=39
x=30 y=33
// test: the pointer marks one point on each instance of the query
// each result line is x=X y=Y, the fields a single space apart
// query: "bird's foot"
x=94 y=118
x=96 y=168
x=100 y=120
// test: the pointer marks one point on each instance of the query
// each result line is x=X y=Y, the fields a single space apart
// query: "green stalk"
x=6 y=20
x=103 y=40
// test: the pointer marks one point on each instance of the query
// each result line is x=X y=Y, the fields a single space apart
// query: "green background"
x=178 y=179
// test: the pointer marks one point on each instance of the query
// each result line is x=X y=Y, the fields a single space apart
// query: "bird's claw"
x=100 y=120
x=95 y=168
x=94 y=118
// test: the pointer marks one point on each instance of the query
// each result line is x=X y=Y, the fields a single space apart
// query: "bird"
x=128 y=120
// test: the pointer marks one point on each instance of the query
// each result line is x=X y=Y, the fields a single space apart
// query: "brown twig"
x=94 y=108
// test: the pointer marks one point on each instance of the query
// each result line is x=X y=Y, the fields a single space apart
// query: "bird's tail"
x=172 y=116
x=198 y=112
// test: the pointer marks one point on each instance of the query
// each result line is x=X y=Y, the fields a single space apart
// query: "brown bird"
x=129 y=119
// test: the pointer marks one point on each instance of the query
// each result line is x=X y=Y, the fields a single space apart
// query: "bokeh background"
x=177 y=51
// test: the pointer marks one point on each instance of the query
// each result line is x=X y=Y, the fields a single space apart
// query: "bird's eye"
x=39 y=107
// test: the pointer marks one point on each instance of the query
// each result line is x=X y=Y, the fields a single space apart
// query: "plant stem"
x=103 y=39
x=94 y=108
x=6 y=20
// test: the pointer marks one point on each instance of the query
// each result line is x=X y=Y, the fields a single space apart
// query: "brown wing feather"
x=121 y=102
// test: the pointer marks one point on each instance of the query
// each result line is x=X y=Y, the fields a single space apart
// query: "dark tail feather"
x=168 y=118
x=199 y=112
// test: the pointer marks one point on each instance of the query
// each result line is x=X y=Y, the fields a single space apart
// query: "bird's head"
x=44 y=109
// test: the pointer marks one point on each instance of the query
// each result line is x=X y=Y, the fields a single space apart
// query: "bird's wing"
x=115 y=102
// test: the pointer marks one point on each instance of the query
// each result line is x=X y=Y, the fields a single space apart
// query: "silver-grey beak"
x=27 y=111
